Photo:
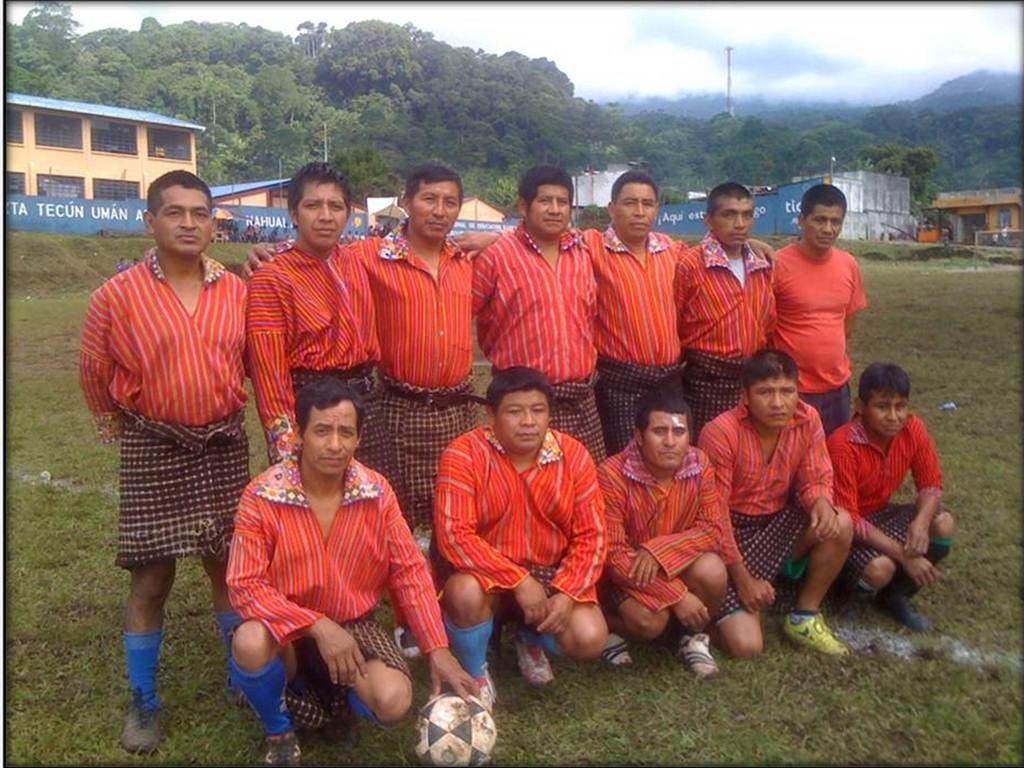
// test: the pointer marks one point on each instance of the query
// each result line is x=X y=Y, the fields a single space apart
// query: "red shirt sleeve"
x=714 y=441
x=268 y=363
x=858 y=298
x=620 y=552
x=455 y=523
x=845 y=478
x=96 y=367
x=814 y=472
x=409 y=579
x=581 y=567
x=924 y=462
x=249 y=587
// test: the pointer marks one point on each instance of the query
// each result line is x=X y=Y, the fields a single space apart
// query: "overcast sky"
x=865 y=53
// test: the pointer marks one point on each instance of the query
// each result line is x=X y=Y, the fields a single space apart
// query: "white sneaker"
x=406 y=644
x=488 y=693
x=533 y=662
x=696 y=652
x=616 y=652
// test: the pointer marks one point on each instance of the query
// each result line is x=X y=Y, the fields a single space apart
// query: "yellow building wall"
x=31 y=160
x=992 y=216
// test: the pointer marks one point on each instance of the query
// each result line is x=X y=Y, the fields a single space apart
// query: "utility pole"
x=325 y=142
x=728 y=81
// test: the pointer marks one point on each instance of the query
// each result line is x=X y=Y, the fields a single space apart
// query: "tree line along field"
x=955 y=697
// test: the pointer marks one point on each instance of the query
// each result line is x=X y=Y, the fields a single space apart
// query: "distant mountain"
x=978 y=89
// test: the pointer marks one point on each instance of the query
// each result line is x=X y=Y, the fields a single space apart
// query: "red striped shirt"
x=492 y=521
x=866 y=478
x=424 y=325
x=717 y=315
x=530 y=313
x=676 y=524
x=142 y=350
x=284 y=572
x=752 y=486
x=304 y=313
x=636 y=313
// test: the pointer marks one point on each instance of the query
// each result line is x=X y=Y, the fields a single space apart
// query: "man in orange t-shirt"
x=818 y=290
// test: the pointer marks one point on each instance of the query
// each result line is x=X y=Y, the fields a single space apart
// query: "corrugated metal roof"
x=100 y=110
x=241 y=189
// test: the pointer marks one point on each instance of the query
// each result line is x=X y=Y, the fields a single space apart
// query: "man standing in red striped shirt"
x=896 y=546
x=317 y=542
x=519 y=527
x=726 y=308
x=162 y=370
x=310 y=313
x=666 y=534
x=535 y=300
x=766 y=450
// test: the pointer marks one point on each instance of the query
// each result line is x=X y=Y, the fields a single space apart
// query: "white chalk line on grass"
x=44 y=478
x=873 y=640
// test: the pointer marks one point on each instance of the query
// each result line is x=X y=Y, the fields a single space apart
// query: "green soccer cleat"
x=815 y=634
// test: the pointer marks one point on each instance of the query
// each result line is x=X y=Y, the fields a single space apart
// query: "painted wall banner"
x=72 y=216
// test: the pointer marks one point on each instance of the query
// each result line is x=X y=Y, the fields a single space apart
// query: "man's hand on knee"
x=532 y=599
x=339 y=650
x=559 y=610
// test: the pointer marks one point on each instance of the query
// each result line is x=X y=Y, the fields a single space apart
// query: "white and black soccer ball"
x=454 y=731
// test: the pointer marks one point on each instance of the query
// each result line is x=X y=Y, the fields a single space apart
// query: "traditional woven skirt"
x=179 y=488
x=363 y=381
x=419 y=424
x=894 y=521
x=711 y=386
x=765 y=542
x=312 y=699
x=574 y=411
x=619 y=387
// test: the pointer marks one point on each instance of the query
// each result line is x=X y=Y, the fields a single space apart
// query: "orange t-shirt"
x=813 y=299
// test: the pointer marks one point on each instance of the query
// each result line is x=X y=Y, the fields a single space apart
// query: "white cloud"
x=853 y=51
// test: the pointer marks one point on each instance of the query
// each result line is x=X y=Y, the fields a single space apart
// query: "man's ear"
x=858 y=406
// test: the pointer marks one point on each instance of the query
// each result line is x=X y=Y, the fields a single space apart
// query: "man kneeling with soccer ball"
x=317 y=541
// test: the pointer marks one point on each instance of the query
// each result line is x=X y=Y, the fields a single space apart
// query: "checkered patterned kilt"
x=179 y=488
x=894 y=521
x=312 y=699
x=574 y=411
x=711 y=386
x=619 y=387
x=417 y=433
x=364 y=381
x=765 y=541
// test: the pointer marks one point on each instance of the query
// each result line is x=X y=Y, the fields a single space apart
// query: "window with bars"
x=174 y=145
x=60 y=186
x=108 y=136
x=13 y=127
x=15 y=183
x=58 y=131
x=111 y=189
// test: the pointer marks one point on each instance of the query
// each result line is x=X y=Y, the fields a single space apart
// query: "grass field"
x=955 y=324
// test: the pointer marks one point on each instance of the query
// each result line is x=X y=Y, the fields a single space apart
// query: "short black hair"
x=538 y=175
x=317 y=173
x=768 y=364
x=633 y=177
x=822 y=194
x=729 y=190
x=518 y=378
x=154 y=195
x=883 y=377
x=668 y=399
x=326 y=393
x=431 y=173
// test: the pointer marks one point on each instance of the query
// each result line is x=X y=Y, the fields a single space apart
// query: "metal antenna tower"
x=728 y=81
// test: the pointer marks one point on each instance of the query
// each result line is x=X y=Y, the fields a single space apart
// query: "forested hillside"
x=388 y=96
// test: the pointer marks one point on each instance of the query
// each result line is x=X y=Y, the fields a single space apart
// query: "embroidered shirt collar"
x=396 y=246
x=282 y=483
x=715 y=255
x=635 y=468
x=550 y=450
x=566 y=241
x=656 y=242
x=212 y=270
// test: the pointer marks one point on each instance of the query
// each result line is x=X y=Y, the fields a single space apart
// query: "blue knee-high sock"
x=142 y=653
x=358 y=706
x=469 y=644
x=264 y=689
x=228 y=621
x=548 y=642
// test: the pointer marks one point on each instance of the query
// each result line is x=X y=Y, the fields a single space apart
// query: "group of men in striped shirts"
x=361 y=359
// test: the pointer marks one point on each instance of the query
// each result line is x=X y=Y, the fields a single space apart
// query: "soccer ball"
x=453 y=731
